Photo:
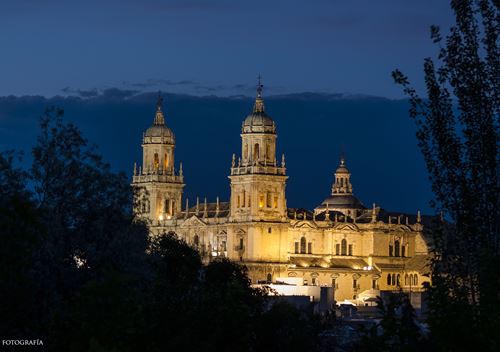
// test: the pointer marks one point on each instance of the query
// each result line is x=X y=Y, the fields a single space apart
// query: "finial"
x=159 y=118
x=205 y=210
x=418 y=217
x=233 y=162
x=217 y=207
x=239 y=162
x=140 y=170
x=374 y=213
x=197 y=206
x=135 y=168
x=259 y=102
x=181 y=173
x=283 y=160
x=187 y=207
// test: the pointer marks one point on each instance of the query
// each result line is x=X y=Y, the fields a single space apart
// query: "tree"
x=458 y=133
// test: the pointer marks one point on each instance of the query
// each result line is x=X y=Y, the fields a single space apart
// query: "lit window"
x=275 y=204
x=261 y=201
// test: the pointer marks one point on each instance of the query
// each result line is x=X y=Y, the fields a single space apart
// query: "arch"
x=389 y=279
x=303 y=245
x=396 y=248
x=256 y=151
x=344 y=247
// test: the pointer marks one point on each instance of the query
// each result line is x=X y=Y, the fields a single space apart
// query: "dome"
x=342 y=169
x=160 y=131
x=342 y=201
x=258 y=122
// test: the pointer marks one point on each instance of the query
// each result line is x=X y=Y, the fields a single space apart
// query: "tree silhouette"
x=458 y=133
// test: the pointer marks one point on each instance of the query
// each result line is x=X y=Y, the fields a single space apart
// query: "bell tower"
x=257 y=180
x=160 y=185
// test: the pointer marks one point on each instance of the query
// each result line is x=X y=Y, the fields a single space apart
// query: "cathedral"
x=340 y=244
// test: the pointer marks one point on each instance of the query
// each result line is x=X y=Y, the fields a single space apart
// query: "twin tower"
x=258 y=180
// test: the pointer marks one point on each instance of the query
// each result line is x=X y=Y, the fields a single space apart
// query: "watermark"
x=36 y=342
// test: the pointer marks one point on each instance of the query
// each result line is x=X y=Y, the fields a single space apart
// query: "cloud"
x=155 y=82
x=117 y=93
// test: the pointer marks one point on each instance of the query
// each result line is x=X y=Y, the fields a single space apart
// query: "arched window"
x=256 y=151
x=396 y=248
x=393 y=279
x=156 y=161
x=269 y=278
x=303 y=245
x=389 y=279
x=167 y=206
x=415 y=279
x=269 y=200
x=344 y=247
x=403 y=250
x=166 y=161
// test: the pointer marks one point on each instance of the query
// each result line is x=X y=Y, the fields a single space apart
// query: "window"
x=261 y=201
x=393 y=279
x=196 y=240
x=241 y=243
x=156 y=161
x=269 y=278
x=374 y=284
x=313 y=281
x=309 y=248
x=256 y=151
x=350 y=249
x=390 y=250
x=296 y=247
x=269 y=230
x=269 y=202
x=303 y=245
x=398 y=280
x=167 y=206
x=223 y=246
x=334 y=283
x=396 y=248
x=415 y=279
x=389 y=279
x=337 y=249
x=406 y=279
x=275 y=203
x=354 y=283
x=344 y=247
x=166 y=161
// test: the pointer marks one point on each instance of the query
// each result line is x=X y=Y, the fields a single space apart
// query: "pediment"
x=305 y=224
x=346 y=226
x=193 y=221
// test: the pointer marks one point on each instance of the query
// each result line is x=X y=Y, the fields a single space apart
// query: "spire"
x=159 y=118
x=259 y=102
x=374 y=214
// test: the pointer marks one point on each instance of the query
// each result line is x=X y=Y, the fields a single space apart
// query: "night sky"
x=215 y=46
x=98 y=55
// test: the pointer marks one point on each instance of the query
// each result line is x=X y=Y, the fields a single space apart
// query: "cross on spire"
x=159 y=118
x=259 y=102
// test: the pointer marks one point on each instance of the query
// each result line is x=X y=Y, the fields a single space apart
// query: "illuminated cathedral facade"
x=340 y=244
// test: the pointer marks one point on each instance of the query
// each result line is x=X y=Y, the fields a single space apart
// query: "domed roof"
x=342 y=169
x=258 y=121
x=347 y=201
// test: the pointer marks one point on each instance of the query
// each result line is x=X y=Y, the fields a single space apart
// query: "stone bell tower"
x=159 y=185
x=257 y=181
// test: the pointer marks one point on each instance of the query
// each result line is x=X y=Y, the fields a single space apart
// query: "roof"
x=211 y=211
x=258 y=122
x=342 y=201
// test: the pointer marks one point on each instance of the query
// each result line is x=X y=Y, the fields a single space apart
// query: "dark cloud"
x=88 y=93
x=117 y=93
x=154 y=82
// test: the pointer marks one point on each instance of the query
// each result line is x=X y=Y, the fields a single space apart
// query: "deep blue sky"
x=215 y=46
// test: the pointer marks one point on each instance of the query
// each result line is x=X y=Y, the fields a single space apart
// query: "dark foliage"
x=458 y=133
x=80 y=273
